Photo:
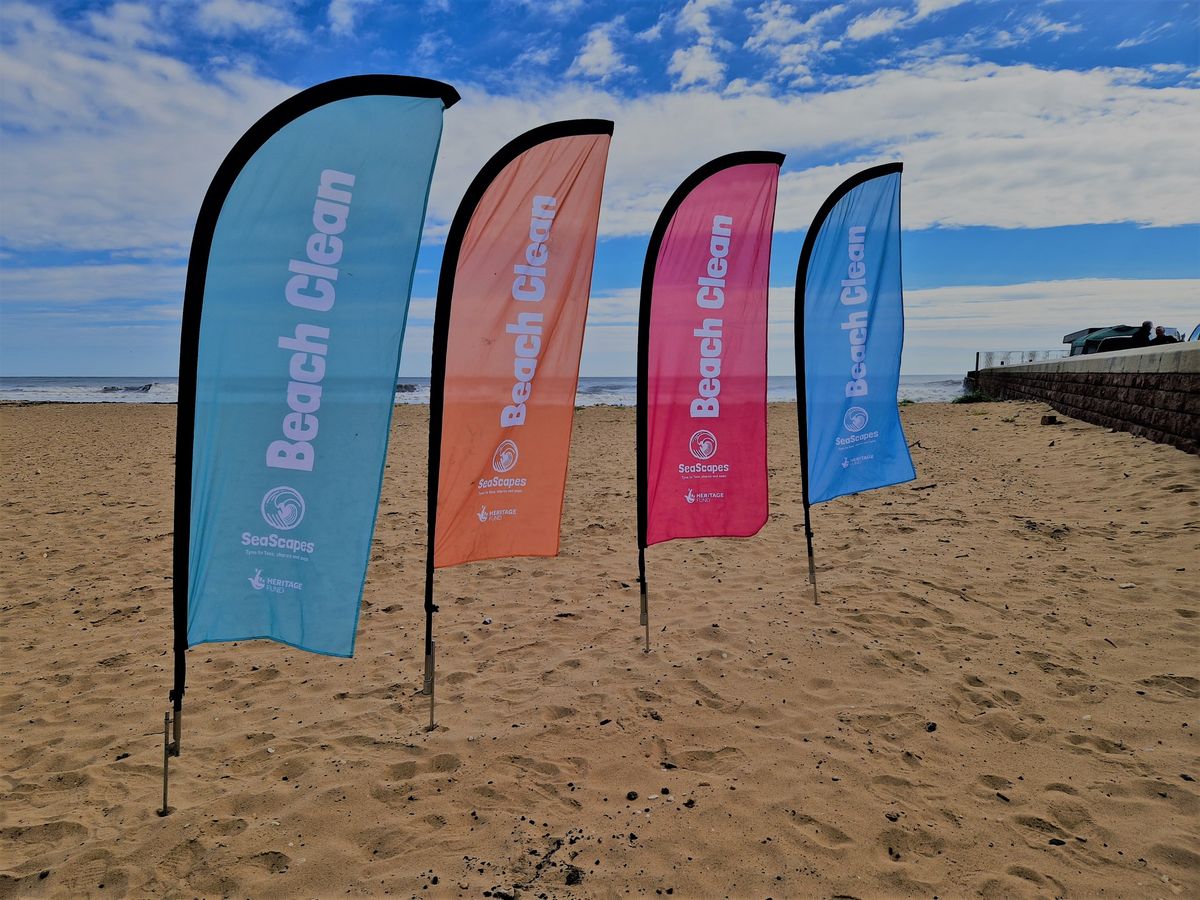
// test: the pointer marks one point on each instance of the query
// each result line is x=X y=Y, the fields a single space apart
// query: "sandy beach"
x=998 y=694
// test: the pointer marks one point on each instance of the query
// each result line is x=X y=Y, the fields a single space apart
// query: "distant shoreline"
x=592 y=390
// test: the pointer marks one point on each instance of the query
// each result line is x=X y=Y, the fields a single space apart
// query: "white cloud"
x=654 y=32
x=952 y=323
x=85 y=284
x=228 y=17
x=697 y=64
x=944 y=326
x=983 y=144
x=696 y=16
x=599 y=57
x=344 y=14
x=881 y=21
x=1034 y=26
x=116 y=145
x=130 y=24
x=538 y=56
x=1146 y=37
x=776 y=23
x=927 y=8
x=790 y=41
x=555 y=9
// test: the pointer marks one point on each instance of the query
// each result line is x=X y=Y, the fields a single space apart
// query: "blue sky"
x=1051 y=177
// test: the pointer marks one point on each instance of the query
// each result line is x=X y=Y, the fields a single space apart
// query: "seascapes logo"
x=283 y=508
x=505 y=457
x=703 y=444
x=275 y=542
x=703 y=468
x=855 y=419
x=485 y=484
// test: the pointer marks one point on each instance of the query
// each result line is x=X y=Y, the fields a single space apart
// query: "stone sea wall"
x=1153 y=392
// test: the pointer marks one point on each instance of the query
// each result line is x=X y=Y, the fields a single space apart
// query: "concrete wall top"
x=1181 y=357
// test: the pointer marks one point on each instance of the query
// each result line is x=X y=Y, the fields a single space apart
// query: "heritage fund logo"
x=486 y=515
x=855 y=419
x=274 y=585
x=506 y=456
x=703 y=444
x=283 y=508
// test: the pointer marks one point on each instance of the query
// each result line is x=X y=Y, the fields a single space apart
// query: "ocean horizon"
x=592 y=391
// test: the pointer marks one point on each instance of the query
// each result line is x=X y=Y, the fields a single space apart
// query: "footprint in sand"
x=828 y=836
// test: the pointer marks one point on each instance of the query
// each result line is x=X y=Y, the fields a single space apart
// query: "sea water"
x=593 y=391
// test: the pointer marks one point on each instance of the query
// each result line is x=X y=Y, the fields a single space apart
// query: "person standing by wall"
x=1161 y=337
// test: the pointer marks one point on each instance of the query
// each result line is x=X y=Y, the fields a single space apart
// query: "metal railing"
x=990 y=359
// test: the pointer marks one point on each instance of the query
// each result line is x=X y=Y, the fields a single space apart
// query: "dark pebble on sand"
x=632 y=795
x=574 y=875
x=689 y=803
x=1057 y=842
x=1002 y=797
x=121 y=756
x=664 y=791
x=632 y=836
x=931 y=726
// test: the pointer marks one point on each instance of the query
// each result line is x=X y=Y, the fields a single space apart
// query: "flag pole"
x=802 y=395
x=185 y=433
x=441 y=328
x=643 y=412
x=645 y=603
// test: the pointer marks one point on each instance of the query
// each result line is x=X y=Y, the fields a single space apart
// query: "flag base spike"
x=166 y=809
x=429 y=679
x=812 y=579
x=427 y=689
x=645 y=621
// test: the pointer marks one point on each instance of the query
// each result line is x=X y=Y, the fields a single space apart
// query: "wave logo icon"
x=505 y=457
x=855 y=419
x=257 y=581
x=703 y=444
x=283 y=508
x=482 y=515
x=690 y=496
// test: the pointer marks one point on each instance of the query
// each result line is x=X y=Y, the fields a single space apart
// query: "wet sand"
x=997 y=695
